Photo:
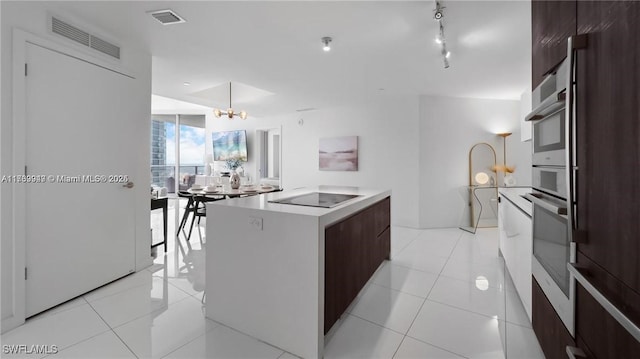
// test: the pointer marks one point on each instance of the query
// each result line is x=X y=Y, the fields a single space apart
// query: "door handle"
x=128 y=185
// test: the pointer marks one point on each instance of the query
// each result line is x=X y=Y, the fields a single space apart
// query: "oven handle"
x=561 y=211
x=573 y=43
x=548 y=107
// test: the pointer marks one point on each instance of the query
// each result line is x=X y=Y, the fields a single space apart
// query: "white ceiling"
x=276 y=47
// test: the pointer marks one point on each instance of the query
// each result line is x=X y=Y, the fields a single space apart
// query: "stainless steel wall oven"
x=553 y=198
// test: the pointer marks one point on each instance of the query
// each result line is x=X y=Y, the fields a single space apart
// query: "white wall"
x=32 y=17
x=387 y=130
x=449 y=127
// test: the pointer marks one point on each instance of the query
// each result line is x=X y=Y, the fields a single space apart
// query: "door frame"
x=259 y=149
x=21 y=39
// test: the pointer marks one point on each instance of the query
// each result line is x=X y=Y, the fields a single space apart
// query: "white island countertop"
x=366 y=197
x=265 y=265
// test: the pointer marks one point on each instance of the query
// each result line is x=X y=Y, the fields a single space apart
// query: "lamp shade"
x=481 y=178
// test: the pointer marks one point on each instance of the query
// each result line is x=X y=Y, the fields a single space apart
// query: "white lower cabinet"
x=516 y=245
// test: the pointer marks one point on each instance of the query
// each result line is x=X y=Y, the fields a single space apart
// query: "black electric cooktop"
x=316 y=199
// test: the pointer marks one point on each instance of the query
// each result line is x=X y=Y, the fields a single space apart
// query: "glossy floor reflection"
x=443 y=295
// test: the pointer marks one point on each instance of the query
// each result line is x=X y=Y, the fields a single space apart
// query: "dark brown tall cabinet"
x=608 y=122
x=554 y=22
x=608 y=175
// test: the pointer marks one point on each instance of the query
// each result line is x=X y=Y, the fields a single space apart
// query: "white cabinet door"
x=516 y=247
x=79 y=235
x=523 y=252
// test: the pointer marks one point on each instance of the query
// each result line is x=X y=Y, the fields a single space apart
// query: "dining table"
x=232 y=193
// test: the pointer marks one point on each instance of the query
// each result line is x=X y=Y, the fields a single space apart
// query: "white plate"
x=249 y=190
x=211 y=191
x=266 y=188
x=196 y=189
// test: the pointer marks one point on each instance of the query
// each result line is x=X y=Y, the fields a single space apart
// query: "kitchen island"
x=284 y=273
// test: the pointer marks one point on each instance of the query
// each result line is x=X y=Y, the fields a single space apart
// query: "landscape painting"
x=338 y=153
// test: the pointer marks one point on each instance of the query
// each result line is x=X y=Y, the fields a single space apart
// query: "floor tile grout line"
x=150 y=313
x=112 y=330
x=35 y=320
x=184 y=291
x=436 y=346
x=425 y=299
x=146 y=314
x=81 y=341
x=77 y=343
x=188 y=342
x=404 y=247
x=247 y=335
x=196 y=338
x=139 y=316
x=125 y=343
x=396 y=290
x=414 y=268
x=399 y=345
x=378 y=324
x=466 y=310
x=118 y=292
x=470 y=281
x=470 y=311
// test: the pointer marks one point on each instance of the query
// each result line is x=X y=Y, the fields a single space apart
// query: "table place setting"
x=248 y=189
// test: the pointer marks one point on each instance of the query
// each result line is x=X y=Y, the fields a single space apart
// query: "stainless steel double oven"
x=554 y=165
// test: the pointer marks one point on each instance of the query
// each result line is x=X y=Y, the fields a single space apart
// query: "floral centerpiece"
x=233 y=163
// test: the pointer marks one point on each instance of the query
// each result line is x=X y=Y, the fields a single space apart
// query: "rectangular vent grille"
x=105 y=47
x=70 y=32
x=167 y=17
x=73 y=33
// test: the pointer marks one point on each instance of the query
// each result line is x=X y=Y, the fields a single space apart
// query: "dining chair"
x=188 y=209
x=200 y=210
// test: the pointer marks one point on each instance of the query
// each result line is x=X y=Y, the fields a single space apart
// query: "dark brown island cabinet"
x=608 y=173
x=354 y=248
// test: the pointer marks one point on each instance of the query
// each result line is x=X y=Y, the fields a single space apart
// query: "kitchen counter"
x=366 y=197
x=265 y=273
x=514 y=194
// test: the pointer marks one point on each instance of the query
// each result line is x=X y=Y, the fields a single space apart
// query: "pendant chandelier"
x=229 y=112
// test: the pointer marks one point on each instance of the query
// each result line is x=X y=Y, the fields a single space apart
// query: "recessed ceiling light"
x=187 y=83
x=448 y=54
x=438 y=40
x=326 y=41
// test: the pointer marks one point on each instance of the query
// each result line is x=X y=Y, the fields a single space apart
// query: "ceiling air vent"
x=167 y=17
x=73 y=33
x=105 y=47
x=70 y=32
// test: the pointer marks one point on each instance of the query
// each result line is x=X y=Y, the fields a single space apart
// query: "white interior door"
x=79 y=235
